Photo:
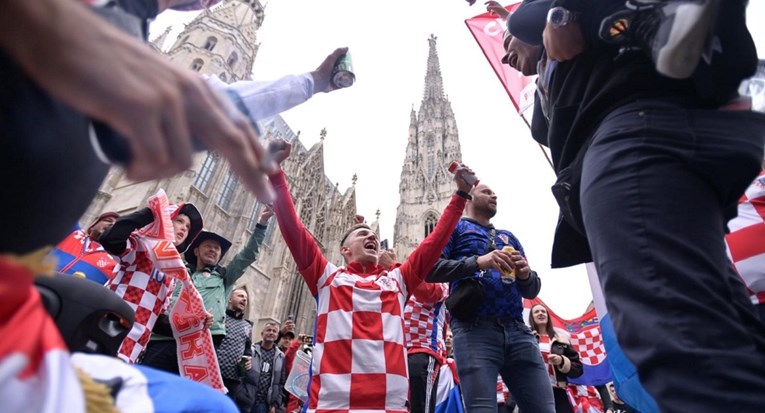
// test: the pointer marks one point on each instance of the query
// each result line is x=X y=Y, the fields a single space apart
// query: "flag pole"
x=541 y=148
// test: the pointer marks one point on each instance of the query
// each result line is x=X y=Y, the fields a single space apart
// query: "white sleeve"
x=266 y=99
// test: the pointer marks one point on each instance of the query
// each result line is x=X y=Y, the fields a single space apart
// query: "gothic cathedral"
x=426 y=185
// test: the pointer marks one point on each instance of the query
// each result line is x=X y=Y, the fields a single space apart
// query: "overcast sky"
x=367 y=124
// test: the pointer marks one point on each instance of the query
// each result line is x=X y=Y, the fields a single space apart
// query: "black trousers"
x=423 y=382
x=163 y=354
x=659 y=183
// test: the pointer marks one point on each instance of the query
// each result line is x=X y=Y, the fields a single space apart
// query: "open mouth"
x=370 y=246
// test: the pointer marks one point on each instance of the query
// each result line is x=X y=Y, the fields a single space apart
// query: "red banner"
x=487 y=29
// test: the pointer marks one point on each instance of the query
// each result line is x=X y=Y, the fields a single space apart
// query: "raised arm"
x=251 y=250
x=420 y=262
x=114 y=239
x=310 y=262
x=266 y=99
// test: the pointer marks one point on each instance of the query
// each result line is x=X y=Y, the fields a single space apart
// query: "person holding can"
x=235 y=350
x=489 y=334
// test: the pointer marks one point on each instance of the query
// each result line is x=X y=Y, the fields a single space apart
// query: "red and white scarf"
x=196 y=354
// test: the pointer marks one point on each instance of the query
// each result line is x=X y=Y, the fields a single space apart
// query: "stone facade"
x=274 y=286
x=426 y=185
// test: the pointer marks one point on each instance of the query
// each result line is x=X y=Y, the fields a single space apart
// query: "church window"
x=211 y=42
x=223 y=76
x=269 y=231
x=197 y=64
x=206 y=171
x=430 y=223
x=232 y=59
x=431 y=155
x=227 y=192
x=256 y=209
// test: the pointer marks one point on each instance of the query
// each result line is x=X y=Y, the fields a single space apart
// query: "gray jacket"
x=246 y=394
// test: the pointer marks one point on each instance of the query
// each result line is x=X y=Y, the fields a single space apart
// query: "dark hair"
x=353 y=228
x=548 y=328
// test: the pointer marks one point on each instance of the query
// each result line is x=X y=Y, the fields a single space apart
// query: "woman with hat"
x=138 y=281
x=214 y=283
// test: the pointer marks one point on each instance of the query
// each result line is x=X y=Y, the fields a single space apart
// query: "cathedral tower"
x=426 y=185
x=222 y=40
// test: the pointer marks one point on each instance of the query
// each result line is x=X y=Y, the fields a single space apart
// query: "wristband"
x=465 y=195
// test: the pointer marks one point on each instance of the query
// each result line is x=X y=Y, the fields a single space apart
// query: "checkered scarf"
x=196 y=356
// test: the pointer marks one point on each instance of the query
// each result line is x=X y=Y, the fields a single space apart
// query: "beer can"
x=342 y=72
x=242 y=364
x=511 y=274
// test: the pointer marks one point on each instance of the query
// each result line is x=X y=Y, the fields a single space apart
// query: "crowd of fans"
x=624 y=102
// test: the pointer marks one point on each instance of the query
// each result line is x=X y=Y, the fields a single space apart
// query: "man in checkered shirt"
x=494 y=339
x=359 y=354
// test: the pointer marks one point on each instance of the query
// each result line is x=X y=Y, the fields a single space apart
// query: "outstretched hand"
x=279 y=150
x=493 y=7
x=265 y=215
x=322 y=76
x=462 y=185
x=111 y=77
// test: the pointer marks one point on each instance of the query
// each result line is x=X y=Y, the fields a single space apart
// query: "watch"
x=560 y=16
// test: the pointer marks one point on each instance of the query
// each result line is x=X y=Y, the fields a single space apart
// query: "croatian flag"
x=448 y=396
x=586 y=338
x=35 y=373
x=625 y=376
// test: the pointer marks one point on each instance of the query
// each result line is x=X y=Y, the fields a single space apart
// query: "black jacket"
x=587 y=88
x=572 y=365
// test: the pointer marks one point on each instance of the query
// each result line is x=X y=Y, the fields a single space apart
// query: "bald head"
x=483 y=206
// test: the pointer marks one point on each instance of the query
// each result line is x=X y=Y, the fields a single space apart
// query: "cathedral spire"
x=434 y=84
x=159 y=42
x=426 y=185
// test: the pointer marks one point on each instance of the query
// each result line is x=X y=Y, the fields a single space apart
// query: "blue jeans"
x=485 y=347
x=658 y=184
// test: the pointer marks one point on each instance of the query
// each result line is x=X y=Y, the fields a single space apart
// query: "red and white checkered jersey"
x=746 y=240
x=503 y=393
x=424 y=318
x=359 y=358
x=146 y=289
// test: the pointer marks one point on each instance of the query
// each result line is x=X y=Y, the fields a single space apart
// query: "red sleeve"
x=430 y=292
x=310 y=262
x=422 y=259
x=289 y=355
